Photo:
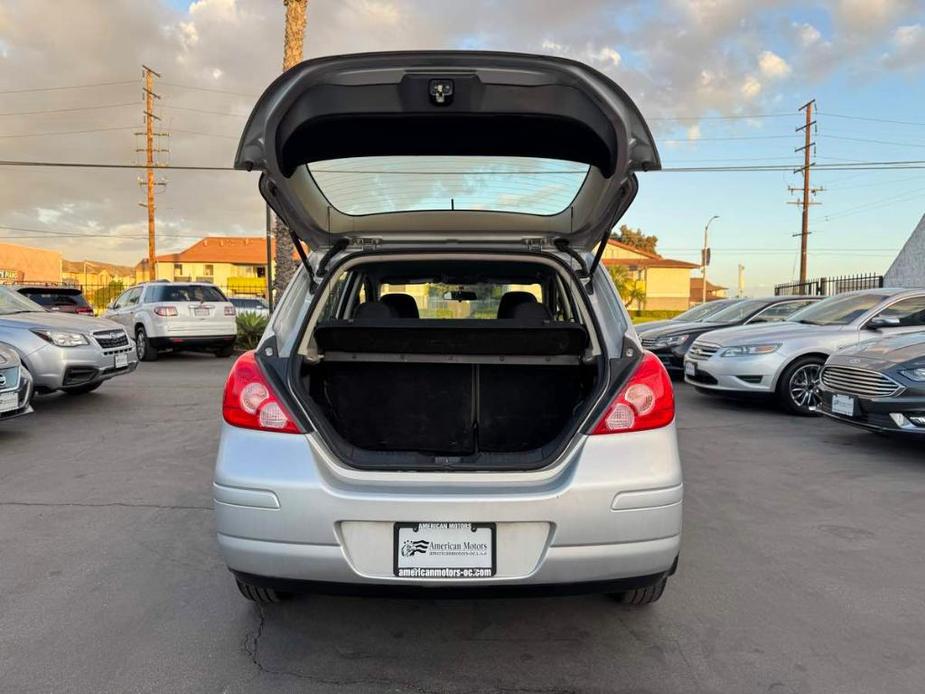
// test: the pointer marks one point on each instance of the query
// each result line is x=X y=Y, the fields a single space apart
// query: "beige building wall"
x=26 y=264
x=667 y=289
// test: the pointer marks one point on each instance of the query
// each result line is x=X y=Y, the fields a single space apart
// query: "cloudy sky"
x=689 y=64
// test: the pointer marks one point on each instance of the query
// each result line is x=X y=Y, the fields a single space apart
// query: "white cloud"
x=807 y=33
x=608 y=56
x=751 y=87
x=693 y=132
x=772 y=65
x=908 y=48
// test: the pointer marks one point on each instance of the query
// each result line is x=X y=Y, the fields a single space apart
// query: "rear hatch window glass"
x=186 y=292
x=372 y=185
x=50 y=298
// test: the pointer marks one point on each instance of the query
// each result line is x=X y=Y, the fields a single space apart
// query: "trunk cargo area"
x=455 y=388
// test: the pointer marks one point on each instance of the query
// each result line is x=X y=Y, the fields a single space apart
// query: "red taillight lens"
x=645 y=402
x=85 y=309
x=229 y=310
x=249 y=400
x=165 y=310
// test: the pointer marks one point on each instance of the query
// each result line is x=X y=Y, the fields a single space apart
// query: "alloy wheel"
x=804 y=386
x=140 y=346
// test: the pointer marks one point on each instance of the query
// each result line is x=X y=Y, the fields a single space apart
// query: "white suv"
x=176 y=316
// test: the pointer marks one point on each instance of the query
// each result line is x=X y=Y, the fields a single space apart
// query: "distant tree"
x=631 y=290
x=636 y=238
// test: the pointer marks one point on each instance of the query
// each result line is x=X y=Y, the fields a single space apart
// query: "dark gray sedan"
x=878 y=385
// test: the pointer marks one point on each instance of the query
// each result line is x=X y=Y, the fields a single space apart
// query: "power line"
x=203 y=110
x=68 y=110
x=197 y=132
x=736 y=117
x=71 y=86
x=209 y=89
x=877 y=142
x=71 y=132
x=871 y=120
x=724 y=139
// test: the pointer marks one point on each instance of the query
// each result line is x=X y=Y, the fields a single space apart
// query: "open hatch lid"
x=448 y=145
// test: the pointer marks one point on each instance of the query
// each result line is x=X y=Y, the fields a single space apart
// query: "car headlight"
x=917 y=374
x=750 y=350
x=62 y=338
x=672 y=341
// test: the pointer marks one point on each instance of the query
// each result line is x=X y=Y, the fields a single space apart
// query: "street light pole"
x=705 y=256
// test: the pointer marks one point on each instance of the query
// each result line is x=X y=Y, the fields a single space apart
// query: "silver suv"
x=176 y=316
x=15 y=385
x=63 y=351
x=450 y=394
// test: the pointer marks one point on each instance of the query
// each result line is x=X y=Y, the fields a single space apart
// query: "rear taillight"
x=165 y=310
x=229 y=310
x=249 y=400
x=645 y=402
x=85 y=310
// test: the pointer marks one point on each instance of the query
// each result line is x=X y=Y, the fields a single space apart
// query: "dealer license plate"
x=444 y=550
x=121 y=361
x=843 y=404
x=9 y=401
x=690 y=369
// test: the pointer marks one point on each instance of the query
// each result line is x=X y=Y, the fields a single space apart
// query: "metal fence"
x=830 y=286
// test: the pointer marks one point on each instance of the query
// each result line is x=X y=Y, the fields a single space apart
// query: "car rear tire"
x=260 y=595
x=81 y=390
x=798 y=388
x=224 y=352
x=642 y=596
x=145 y=350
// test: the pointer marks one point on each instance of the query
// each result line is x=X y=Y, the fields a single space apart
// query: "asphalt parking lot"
x=801 y=569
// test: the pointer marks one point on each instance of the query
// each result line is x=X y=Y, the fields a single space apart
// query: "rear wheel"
x=80 y=390
x=798 y=388
x=258 y=594
x=146 y=351
x=642 y=596
x=224 y=352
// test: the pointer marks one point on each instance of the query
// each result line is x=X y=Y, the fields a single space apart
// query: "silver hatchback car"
x=450 y=395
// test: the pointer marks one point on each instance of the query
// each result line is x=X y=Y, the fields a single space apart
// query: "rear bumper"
x=204 y=342
x=612 y=512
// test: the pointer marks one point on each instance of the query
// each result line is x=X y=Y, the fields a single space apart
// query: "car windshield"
x=248 y=303
x=55 y=297
x=837 y=310
x=186 y=292
x=371 y=185
x=13 y=302
x=702 y=311
x=738 y=311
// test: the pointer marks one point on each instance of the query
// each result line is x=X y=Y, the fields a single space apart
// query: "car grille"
x=649 y=342
x=700 y=351
x=861 y=382
x=110 y=339
x=9 y=378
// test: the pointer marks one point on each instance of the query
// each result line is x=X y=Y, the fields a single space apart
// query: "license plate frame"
x=844 y=405
x=9 y=402
x=447 y=562
x=690 y=369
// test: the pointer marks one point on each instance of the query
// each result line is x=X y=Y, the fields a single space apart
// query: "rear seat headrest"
x=531 y=311
x=403 y=305
x=511 y=300
x=373 y=310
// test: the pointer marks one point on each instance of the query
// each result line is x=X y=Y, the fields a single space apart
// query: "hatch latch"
x=441 y=92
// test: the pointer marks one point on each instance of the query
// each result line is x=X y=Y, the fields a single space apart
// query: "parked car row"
x=857 y=357
x=48 y=342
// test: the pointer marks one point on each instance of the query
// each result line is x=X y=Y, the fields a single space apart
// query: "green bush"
x=646 y=316
x=250 y=328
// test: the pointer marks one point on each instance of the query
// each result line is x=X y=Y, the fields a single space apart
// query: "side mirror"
x=878 y=322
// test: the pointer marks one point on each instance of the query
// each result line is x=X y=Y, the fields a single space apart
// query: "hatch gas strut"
x=338 y=246
x=563 y=245
x=304 y=258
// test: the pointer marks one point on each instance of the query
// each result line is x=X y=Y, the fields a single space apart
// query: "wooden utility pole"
x=292 y=56
x=807 y=149
x=150 y=162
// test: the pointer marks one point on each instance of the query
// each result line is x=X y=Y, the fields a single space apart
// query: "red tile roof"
x=239 y=250
x=632 y=249
x=656 y=261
